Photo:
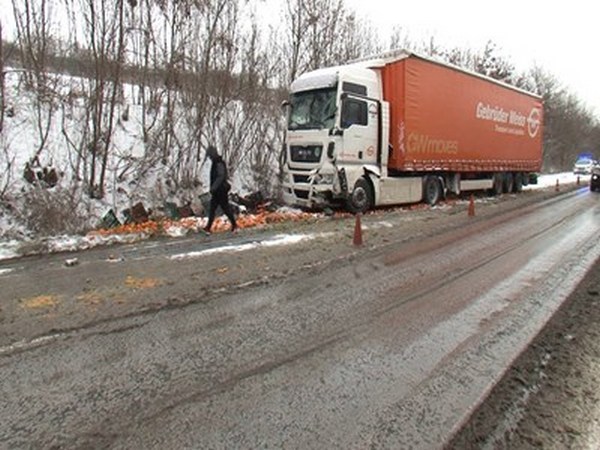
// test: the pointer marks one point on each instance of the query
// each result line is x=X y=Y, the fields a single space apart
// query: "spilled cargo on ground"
x=403 y=128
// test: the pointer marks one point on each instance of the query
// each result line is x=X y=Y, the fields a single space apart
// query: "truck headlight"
x=326 y=178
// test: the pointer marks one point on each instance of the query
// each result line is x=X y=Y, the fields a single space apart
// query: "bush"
x=53 y=212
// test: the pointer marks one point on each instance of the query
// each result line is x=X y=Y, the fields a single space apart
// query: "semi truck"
x=403 y=128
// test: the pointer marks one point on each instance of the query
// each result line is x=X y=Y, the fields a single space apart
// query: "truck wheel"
x=362 y=197
x=509 y=182
x=432 y=190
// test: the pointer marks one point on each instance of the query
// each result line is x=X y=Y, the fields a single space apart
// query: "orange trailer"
x=446 y=119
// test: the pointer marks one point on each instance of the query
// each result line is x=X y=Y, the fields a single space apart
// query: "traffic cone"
x=471 y=206
x=557 y=188
x=357 y=231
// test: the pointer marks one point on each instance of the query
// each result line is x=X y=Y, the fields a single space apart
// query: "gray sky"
x=562 y=37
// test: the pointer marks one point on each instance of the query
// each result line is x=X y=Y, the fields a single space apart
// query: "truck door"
x=360 y=122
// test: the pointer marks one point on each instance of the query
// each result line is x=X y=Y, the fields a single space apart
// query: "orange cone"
x=357 y=231
x=557 y=188
x=471 y=206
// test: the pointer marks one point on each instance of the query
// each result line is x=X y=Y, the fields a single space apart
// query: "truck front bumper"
x=307 y=195
x=317 y=188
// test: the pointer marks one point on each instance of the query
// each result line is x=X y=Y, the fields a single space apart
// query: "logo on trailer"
x=534 y=122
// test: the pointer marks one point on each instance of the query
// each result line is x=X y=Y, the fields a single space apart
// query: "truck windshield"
x=313 y=110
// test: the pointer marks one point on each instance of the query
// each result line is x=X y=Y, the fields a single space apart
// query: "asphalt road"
x=315 y=345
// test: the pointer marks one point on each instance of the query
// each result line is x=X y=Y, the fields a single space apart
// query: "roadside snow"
x=15 y=249
x=9 y=249
x=545 y=181
x=277 y=241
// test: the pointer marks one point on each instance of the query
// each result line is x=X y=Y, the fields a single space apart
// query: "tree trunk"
x=116 y=80
x=1 y=81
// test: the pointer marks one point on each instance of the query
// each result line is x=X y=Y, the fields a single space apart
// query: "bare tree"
x=210 y=57
x=116 y=93
x=399 y=39
x=104 y=25
x=35 y=41
x=143 y=43
x=2 y=89
x=253 y=136
x=7 y=162
x=569 y=127
x=491 y=63
x=293 y=52
x=321 y=33
x=6 y=158
x=166 y=26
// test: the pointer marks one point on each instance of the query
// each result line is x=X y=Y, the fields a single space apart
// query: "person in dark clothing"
x=219 y=189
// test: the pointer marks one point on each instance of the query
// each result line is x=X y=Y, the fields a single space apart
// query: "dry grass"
x=49 y=212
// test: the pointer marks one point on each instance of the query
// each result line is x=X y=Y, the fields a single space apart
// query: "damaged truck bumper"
x=313 y=189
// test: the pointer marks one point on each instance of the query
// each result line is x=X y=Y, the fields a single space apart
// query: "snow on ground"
x=277 y=241
x=9 y=249
x=14 y=248
x=545 y=181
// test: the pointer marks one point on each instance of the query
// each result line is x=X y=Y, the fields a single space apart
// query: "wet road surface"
x=389 y=347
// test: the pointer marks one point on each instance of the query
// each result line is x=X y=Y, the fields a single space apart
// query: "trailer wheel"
x=509 y=182
x=518 y=183
x=362 y=197
x=432 y=190
x=497 y=183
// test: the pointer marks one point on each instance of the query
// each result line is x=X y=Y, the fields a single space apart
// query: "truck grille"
x=300 y=178
x=306 y=153
x=301 y=194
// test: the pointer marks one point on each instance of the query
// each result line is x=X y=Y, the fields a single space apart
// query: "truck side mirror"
x=285 y=105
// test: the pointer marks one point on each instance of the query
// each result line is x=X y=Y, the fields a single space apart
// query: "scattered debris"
x=109 y=220
x=185 y=211
x=141 y=283
x=136 y=214
x=36 y=174
x=251 y=202
x=172 y=211
x=71 y=262
x=139 y=213
x=166 y=226
x=41 y=301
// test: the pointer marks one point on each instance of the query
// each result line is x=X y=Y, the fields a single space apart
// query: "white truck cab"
x=337 y=135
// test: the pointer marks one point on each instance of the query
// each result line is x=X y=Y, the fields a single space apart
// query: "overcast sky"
x=562 y=37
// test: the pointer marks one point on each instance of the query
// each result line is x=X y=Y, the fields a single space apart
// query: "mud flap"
x=343 y=182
